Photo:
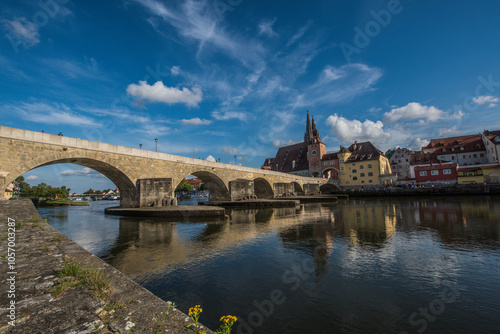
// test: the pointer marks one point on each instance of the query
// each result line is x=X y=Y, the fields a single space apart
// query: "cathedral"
x=302 y=158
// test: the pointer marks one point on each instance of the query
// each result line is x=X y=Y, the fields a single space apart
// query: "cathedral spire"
x=308 y=136
x=315 y=132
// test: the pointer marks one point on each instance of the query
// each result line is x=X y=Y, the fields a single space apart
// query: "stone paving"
x=40 y=252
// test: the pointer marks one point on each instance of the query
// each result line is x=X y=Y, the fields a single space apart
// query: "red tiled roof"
x=438 y=166
x=287 y=154
x=470 y=143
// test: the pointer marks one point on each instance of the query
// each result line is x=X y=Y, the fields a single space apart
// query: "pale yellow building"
x=9 y=191
x=362 y=164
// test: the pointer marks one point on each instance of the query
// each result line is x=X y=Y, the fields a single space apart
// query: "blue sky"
x=235 y=77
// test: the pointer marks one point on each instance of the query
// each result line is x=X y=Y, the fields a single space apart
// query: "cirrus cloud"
x=170 y=95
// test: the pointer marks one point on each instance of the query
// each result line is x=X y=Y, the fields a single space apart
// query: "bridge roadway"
x=145 y=178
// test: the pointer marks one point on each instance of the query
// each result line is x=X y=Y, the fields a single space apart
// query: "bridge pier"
x=311 y=189
x=241 y=189
x=154 y=192
x=282 y=189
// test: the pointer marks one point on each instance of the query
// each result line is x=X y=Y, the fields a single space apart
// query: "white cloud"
x=161 y=93
x=210 y=158
x=230 y=150
x=266 y=28
x=277 y=143
x=32 y=178
x=417 y=144
x=227 y=115
x=196 y=150
x=82 y=172
x=195 y=121
x=416 y=111
x=449 y=132
x=53 y=114
x=353 y=130
x=486 y=99
x=373 y=110
x=175 y=70
x=22 y=30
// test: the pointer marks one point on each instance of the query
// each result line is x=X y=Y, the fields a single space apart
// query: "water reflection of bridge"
x=152 y=245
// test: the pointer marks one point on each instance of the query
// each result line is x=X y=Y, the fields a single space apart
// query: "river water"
x=365 y=265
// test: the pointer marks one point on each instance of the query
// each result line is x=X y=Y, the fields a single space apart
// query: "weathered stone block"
x=241 y=189
x=155 y=192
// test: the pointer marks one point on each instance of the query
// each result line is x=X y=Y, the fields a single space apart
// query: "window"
x=362 y=175
x=475 y=155
x=481 y=155
x=362 y=181
x=361 y=167
x=370 y=181
x=423 y=173
x=452 y=157
x=355 y=178
x=341 y=168
x=461 y=148
x=434 y=172
x=370 y=174
x=446 y=171
x=464 y=156
x=341 y=161
x=369 y=166
x=354 y=171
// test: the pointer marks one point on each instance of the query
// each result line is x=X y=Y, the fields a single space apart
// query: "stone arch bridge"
x=145 y=178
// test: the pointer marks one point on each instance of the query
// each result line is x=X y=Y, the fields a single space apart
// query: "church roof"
x=283 y=162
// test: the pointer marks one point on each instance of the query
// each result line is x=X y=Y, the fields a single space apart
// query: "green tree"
x=24 y=187
x=202 y=187
x=184 y=186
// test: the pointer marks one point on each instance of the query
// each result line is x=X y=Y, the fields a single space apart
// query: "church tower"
x=315 y=150
x=308 y=136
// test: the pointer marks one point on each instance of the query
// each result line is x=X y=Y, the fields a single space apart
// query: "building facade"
x=463 y=150
x=400 y=163
x=491 y=140
x=437 y=173
x=362 y=164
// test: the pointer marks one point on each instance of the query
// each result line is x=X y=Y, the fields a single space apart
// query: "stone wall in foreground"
x=40 y=252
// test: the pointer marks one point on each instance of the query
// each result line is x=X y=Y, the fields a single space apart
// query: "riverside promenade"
x=35 y=299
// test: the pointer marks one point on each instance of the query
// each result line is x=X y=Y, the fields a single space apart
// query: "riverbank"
x=38 y=202
x=38 y=253
x=457 y=189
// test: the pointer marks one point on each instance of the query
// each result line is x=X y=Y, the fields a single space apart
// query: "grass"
x=61 y=201
x=56 y=239
x=95 y=279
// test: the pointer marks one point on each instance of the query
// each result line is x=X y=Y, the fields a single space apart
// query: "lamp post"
x=235 y=159
x=140 y=146
x=156 y=144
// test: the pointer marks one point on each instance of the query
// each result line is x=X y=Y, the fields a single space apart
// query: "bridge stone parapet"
x=140 y=175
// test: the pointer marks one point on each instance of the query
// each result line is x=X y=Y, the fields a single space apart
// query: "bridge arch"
x=263 y=188
x=328 y=188
x=128 y=192
x=215 y=185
